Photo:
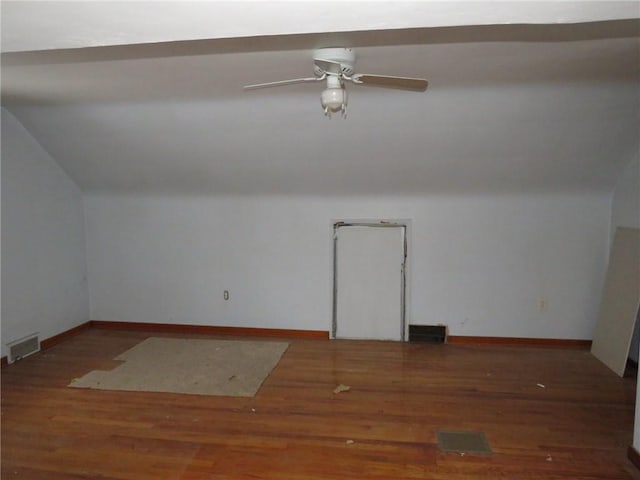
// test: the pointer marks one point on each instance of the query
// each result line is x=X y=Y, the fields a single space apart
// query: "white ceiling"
x=551 y=105
x=29 y=25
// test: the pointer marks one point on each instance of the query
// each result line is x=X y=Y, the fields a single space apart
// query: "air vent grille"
x=23 y=347
x=428 y=333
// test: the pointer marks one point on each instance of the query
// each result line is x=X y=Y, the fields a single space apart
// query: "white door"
x=369 y=282
x=620 y=301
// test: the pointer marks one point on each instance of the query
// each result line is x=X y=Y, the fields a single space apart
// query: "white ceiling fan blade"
x=282 y=82
x=328 y=66
x=402 y=83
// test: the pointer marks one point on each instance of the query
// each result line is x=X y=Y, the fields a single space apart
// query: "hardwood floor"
x=578 y=426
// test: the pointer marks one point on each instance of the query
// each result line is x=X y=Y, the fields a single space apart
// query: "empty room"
x=320 y=240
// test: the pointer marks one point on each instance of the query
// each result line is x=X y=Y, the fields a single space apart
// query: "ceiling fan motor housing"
x=346 y=57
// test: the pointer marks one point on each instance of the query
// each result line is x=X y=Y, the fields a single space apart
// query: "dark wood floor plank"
x=548 y=413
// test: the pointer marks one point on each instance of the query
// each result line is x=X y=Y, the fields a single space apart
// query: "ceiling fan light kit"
x=335 y=65
x=334 y=97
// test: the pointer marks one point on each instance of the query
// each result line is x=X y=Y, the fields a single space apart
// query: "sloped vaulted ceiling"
x=543 y=105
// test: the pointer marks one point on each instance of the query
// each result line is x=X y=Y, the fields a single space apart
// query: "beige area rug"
x=192 y=366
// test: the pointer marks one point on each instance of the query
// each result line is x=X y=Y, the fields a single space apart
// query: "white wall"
x=478 y=264
x=44 y=275
x=625 y=211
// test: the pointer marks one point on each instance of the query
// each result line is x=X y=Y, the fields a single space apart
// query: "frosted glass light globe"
x=334 y=99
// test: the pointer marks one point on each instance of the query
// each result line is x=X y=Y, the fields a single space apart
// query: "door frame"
x=402 y=224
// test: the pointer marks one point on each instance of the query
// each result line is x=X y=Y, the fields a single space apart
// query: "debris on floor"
x=341 y=388
x=549 y=458
x=350 y=442
x=541 y=385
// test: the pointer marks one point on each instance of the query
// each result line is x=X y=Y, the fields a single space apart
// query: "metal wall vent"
x=428 y=333
x=23 y=347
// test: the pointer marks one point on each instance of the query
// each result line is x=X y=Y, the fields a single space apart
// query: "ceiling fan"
x=336 y=65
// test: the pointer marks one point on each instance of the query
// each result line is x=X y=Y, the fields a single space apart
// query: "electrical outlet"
x=226 y=294
x=542 y=304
